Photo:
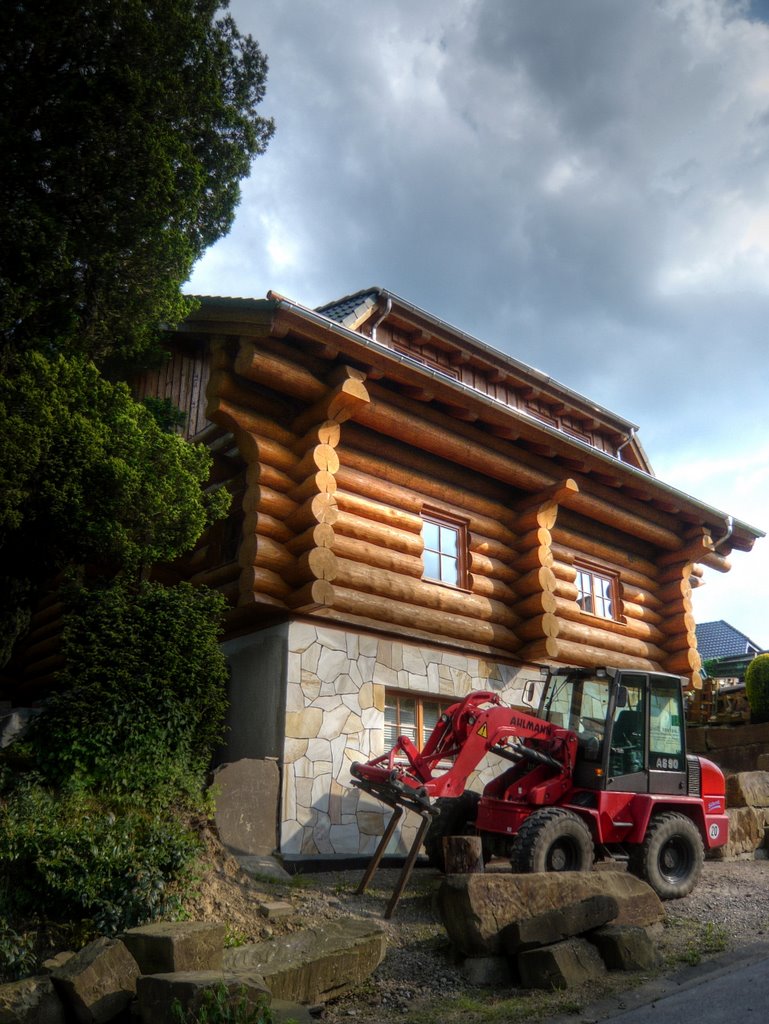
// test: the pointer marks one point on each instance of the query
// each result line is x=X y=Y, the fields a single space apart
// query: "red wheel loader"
x=600 y=771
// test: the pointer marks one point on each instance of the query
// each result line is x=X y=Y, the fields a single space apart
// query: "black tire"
x=670 y=857
x=456 y=815
x=552 y=839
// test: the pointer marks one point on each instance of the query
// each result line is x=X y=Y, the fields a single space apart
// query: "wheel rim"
x=675 y=860
x=562 y=856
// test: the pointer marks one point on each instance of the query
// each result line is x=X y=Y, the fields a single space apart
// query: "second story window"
x=445 y=549
x=598 y=592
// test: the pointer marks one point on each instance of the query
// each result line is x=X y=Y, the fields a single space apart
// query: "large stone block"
x=314 y=965
x=157 y=993
x=746 y=832
x=556 y=925
x=247 y=796
x=169 y=946
x=476 y=909
x=564 y=965
x=30 y=1001
x=748 y=789
x=625 y=947
x=99 y=981
x=762 y=763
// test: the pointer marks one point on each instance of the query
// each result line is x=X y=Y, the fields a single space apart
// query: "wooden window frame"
x=610 y=576
x=420 y=699
x=446 y=521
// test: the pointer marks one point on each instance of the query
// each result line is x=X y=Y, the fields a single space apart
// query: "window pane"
x=408 y=718
x=390 y=722
x=449 y=570
x=448 y=541
x=432 y=565
x=431 y=535
x=431 y=712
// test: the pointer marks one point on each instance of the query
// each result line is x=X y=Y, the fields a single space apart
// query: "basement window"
x=445 y=549
x=598 y=592
x=407 y=714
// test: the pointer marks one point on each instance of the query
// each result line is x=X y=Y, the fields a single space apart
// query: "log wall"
x=339 y=469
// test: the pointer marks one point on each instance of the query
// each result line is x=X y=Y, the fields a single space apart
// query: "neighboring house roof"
x=720 y=640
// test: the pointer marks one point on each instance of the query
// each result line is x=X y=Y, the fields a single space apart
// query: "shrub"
x=143 y=696
x=219 y=1006
x=81 y=859
x=757 y=688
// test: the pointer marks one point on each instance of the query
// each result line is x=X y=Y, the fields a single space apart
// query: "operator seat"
x=627 y=743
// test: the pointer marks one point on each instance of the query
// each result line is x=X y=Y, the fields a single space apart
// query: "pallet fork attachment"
x=391 y=794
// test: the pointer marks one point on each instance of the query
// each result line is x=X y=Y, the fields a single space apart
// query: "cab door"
x=667 y=738
x=626 y=751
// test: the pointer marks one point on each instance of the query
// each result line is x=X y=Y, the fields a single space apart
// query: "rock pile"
x=549 y=931
x=148 y=969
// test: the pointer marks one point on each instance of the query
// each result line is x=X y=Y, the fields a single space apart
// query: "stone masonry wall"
x=335 y=698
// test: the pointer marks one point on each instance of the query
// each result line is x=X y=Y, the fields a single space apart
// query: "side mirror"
x=622 y=697
x=528 y=693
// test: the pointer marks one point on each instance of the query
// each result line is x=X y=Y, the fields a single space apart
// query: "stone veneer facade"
x=335 y=699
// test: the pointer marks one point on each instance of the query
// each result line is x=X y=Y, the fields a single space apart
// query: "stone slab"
x=747 y=789
x=746 y=833
x=246 y=800
x=31 y=1001
x=157 y=993
x=488 y=971
x=98 y=982
x=556 y=925
x=168 y=946
x=625 y=947
x=477 y=908
x=564 y=965
x=316 y=964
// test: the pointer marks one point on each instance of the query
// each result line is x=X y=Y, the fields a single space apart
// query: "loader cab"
x=629 y=727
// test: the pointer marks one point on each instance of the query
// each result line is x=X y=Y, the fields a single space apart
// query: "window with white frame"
x=598 y=592
x=445 y=549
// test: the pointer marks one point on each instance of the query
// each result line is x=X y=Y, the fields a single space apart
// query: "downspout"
x=627 y=441
x=382 y=316
x=727 y=535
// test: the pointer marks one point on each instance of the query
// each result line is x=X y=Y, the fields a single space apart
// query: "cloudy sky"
x=583 y=184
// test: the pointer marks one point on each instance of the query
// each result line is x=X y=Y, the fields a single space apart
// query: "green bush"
x=757 y=688
x=75 y=858
x=143 y=696
x=94 y=820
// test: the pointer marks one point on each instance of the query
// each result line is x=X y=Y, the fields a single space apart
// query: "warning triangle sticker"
x=483 y=731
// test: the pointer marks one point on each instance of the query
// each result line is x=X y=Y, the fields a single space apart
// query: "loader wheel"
x=552 y=839
x=670 y=857
x=455 y=817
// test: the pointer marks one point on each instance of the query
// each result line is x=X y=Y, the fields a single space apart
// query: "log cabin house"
x=414 y=515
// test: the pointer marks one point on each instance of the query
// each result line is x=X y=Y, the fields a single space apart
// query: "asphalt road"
x=733 y=986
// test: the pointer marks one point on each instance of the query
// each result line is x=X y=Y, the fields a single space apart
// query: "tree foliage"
x=87 y=475
x=125 y=127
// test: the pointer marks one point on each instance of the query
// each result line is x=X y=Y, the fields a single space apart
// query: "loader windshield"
x=578 y=702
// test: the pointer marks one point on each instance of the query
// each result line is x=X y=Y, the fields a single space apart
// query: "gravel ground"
x=728 y=909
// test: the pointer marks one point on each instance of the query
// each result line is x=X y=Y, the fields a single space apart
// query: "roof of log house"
x=421 y=358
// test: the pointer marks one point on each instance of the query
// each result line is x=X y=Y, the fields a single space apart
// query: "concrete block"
x=625 y=947
x=31 y=1001
x=169 y=946
x=557 y=925
x=98 y=982
x=564 y=965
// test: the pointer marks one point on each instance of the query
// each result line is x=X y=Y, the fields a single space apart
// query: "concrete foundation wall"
x=255 y=721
